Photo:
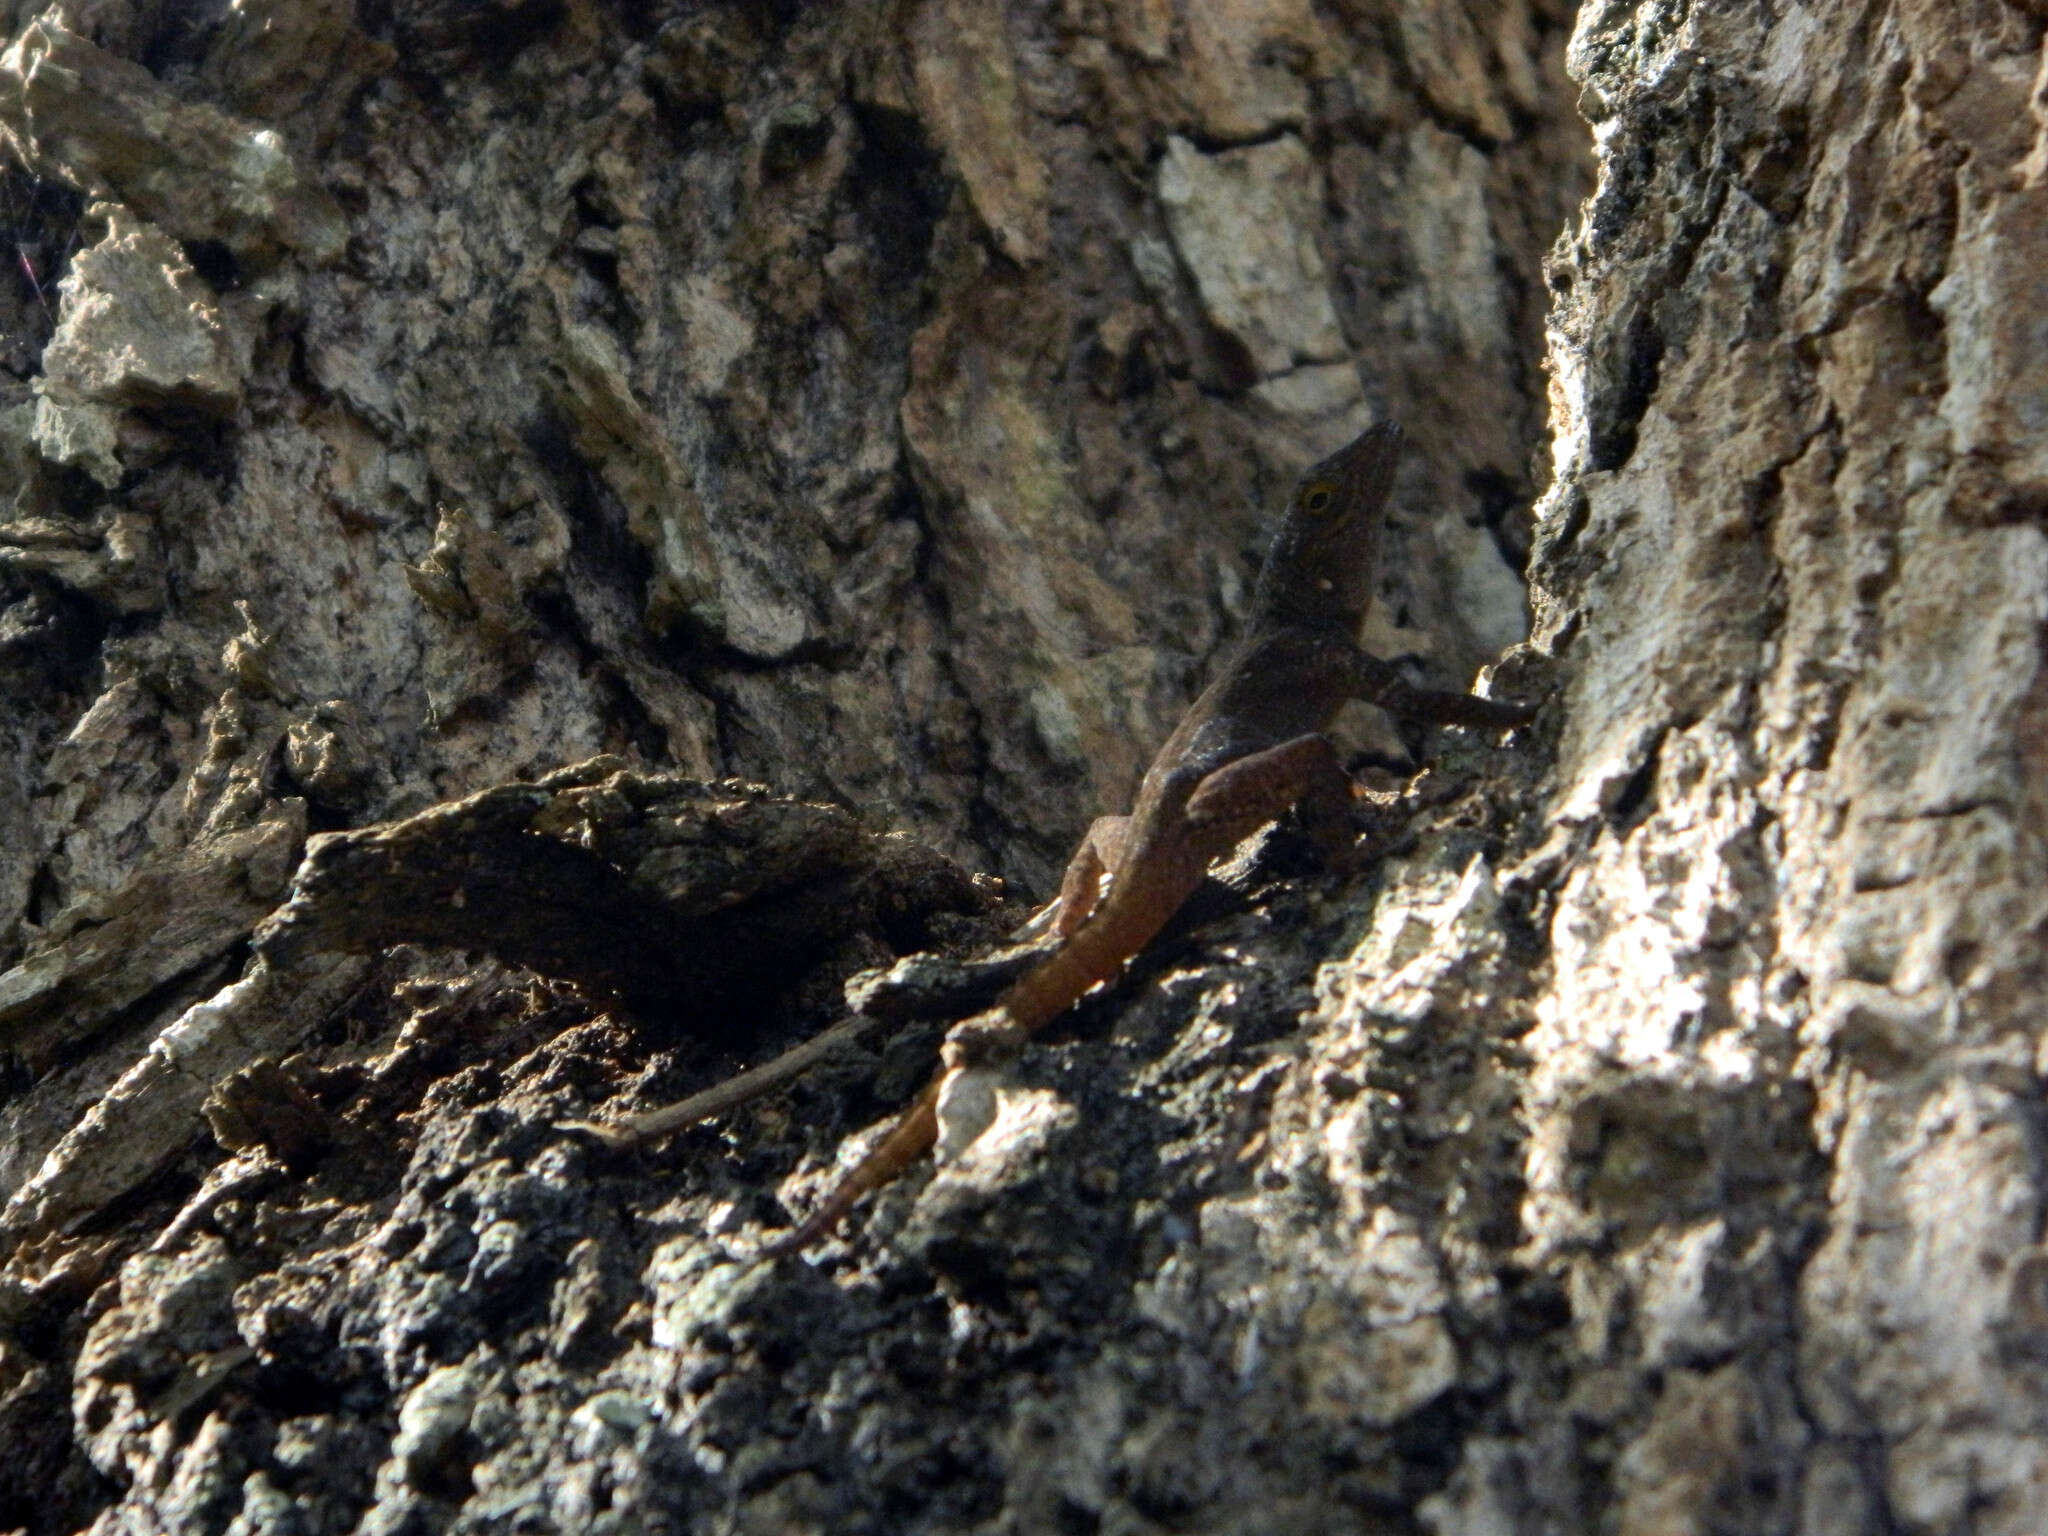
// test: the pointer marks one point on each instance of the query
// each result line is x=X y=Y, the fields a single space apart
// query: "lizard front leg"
x=1101 y=850
x=1377 y=683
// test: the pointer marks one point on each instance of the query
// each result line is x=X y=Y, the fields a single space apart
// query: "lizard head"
x=1320 y=568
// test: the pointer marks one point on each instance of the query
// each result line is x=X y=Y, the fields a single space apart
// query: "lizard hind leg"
x=1251 y=790
x=1327 y=811
x=1303 y=772
x=1101 y=850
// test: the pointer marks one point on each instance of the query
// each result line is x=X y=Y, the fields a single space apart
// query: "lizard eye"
x=1317 y=498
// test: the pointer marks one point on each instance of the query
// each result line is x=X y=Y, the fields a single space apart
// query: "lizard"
x=1250 y=746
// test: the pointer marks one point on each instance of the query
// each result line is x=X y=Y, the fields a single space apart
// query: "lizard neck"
x=1317 y=578
x=1264 y=623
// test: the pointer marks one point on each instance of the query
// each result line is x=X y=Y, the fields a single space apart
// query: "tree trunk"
x=443 y=450
x=1784 y=1104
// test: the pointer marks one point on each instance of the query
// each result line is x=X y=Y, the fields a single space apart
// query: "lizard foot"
x=988 y=1039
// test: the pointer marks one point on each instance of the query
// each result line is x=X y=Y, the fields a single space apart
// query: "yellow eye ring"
x=1317 y=499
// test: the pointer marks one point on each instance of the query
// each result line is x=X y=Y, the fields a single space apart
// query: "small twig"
x=28 y=268
x=741 y=1088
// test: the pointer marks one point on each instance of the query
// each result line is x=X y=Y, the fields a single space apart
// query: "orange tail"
x=1114 y=932
x=911 y=1138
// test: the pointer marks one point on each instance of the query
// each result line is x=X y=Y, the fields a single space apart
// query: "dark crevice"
x=440 y=39
x=899 y=187
x=1615 y=425
x=216 y=264
x=1504 y=512
x=1633 y=803
x=38 y=236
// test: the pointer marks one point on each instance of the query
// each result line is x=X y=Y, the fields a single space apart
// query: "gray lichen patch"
x=137 y=329
x=1244 y=222
x=104 y=124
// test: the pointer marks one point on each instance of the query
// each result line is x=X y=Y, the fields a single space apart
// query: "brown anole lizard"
x=1250 y=747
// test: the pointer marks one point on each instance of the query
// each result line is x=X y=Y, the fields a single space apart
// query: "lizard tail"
x=1094 y=952
x=911 y=1137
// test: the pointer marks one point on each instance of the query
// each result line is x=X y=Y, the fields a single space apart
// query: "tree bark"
x=443 y=449
x=1786 y=1119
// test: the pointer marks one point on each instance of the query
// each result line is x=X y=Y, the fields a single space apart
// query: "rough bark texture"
x=1786 y=1104
x=400 y=404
